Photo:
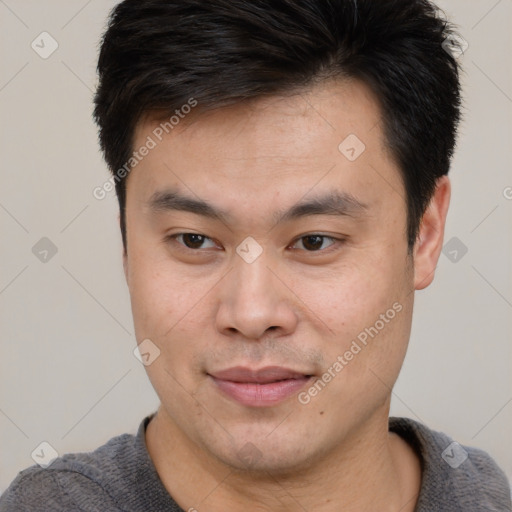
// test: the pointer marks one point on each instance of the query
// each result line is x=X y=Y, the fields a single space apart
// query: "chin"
x=251 y=460
x=259 y=454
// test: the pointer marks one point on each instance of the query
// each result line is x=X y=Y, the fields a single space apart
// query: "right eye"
x=191 y=241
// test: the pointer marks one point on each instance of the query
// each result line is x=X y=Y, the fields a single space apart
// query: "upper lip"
x=261 y=376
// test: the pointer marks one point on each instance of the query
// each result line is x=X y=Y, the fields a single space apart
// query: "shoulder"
x=36 y=489
x=455 y=476
x=73 y=482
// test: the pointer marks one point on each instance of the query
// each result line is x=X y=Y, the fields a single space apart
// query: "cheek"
x=365 y=310
x=166 y=309
x=351 y=297
x=171 y=307
x=158 y=297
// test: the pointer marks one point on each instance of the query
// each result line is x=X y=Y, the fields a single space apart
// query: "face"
x=267 y=261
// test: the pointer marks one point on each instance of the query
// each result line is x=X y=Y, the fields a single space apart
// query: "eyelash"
x=173 y=238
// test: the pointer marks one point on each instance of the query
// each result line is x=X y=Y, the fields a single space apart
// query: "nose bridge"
x=253 y=280
x=253 y=299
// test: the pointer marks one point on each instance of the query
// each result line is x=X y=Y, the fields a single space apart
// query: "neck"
x=373 y=470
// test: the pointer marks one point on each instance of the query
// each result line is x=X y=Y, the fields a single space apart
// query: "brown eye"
x=193 y=240
x=314 y=243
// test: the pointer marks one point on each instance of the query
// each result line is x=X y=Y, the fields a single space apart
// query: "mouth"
x=259 y=388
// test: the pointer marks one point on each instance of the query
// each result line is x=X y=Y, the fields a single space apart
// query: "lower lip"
x=261 y=395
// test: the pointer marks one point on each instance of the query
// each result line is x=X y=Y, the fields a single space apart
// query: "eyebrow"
x=333 y=203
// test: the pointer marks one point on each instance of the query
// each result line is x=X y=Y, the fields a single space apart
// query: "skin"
x=207 y=309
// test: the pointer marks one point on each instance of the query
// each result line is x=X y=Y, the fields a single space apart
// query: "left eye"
x=193 y=240
x=314 y=242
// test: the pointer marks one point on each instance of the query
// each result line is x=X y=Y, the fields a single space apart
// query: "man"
x=281 y=169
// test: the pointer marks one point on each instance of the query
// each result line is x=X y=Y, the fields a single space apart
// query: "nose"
x=255 y=301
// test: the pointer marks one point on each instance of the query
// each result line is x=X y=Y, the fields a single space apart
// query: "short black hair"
x=158 y=54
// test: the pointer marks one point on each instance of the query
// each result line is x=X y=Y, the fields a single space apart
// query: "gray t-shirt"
x=120 y=476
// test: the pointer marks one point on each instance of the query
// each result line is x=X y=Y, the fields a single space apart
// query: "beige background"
x=68 y=375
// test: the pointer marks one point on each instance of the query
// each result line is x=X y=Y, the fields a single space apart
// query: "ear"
x=431 y=234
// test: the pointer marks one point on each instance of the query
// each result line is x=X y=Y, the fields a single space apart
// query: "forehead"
x=282 y=147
